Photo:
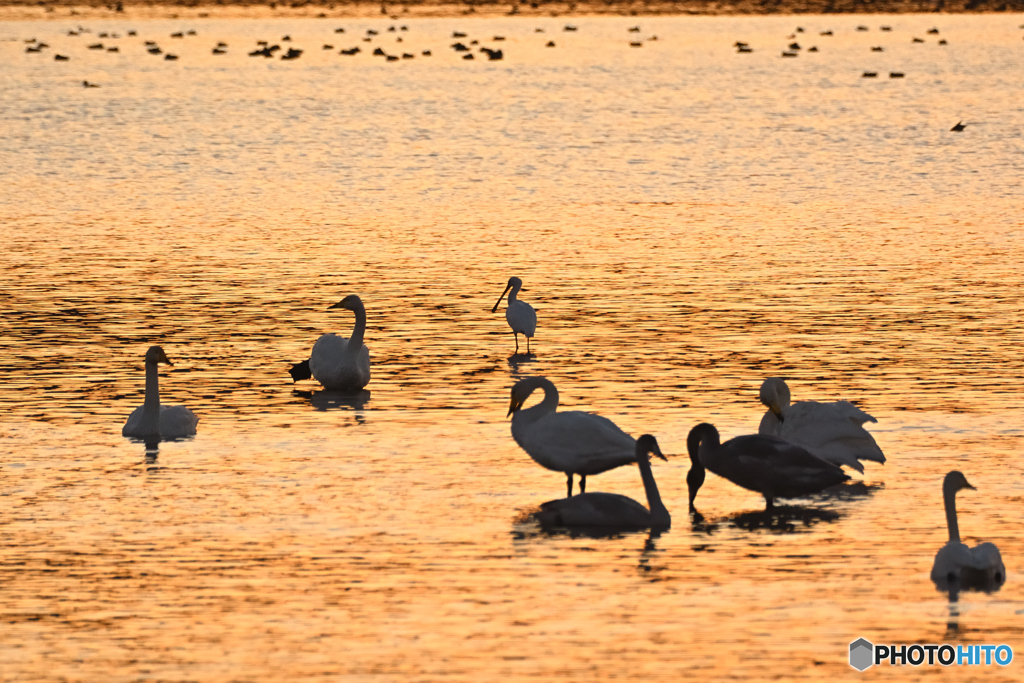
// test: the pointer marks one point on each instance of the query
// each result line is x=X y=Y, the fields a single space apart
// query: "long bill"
x=498 y=302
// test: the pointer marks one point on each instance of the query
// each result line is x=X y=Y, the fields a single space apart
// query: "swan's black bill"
x=300 y=371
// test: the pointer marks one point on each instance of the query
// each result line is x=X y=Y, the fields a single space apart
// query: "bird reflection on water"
x=336 y=400
x=520 y=359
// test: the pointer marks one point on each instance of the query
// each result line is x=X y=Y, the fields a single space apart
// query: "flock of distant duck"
x=266 y=49
x=799 y=450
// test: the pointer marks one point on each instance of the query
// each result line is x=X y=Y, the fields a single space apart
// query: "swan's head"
x=955 y=481
x=521 y=391
x=350 y=302
x=775 y=395
x=156 y=355
x=512 y=282
x=702 y=433
x=646 y=446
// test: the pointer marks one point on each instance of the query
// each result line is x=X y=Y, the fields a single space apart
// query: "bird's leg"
x=568 y=481
x=583 y=483
x=527 y=346
x=517 y=349
x=769 y=504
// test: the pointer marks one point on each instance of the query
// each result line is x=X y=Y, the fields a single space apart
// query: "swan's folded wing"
x=177 y=421
x=985 y=556
x=595 y=509
x=575 y=441
x=132 y=424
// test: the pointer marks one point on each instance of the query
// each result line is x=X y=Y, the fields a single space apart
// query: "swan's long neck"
x=355 y=342
x=151 y=405
x=545 y=407
x=949 y=496
x=659 y=513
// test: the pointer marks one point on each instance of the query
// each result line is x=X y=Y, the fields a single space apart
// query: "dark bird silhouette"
x=895 y=74
x=60 y=58
x=87 y=84
x=300 y=371
x=869 y=74
x=958 y=127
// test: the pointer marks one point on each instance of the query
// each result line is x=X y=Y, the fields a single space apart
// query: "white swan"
x=831 y=431
x=772 y=467
x=339 y=364
x=981 y=565
x=573 y=442
x=520 y=315
x=152 y=420
x=610 y=510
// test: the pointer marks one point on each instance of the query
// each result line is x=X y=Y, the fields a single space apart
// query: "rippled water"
x=687 y=222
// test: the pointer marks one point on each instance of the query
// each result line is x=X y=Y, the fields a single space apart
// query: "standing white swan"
x=520 y=315
x=772 y=467
x=573 y=442
x=981 y=565
x=832 y=431
x=610 y=510
x=152 y=420
x=339 y=364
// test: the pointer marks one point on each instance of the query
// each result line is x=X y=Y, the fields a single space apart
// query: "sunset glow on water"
x=687 y=222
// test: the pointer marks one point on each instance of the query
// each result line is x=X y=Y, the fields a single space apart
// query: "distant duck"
x=292 y=54
x=113 y=49
x=744 y=50
x=351 y=51
x=179 y=34
x=895 y=74
x=394 y=58
x=469 y=56
x=799 y=29
x=794 y=46
x=770 y=466
x=813 y=48
x=406 y=55
x=956 y=563
x=426 y=53
x=551 y=43
x=96 y=46
x=339 y=364
x=219 y=51
x=569 y=27
x=634 y=29
x=379 y=52
x=285 y=39
x=933 y=31
x=832 y=431
x=339 y=30
x=789 y=54
x=917 y=40
x=885 y=28
x=878 y=49
x=958 y=127
x=825 y=33
x=170 y=58
x=328 y=47
x=154 y=50
x=459 y=47
x=611 y=510
x=632 y=44
x=573 y=441
x=943 y=42
x=87 y=84
x=152 y=419
x=458 y=34
x=498 y=38
x=862 y=28
x=520 y=315
x=869 y=74
x=60 y=58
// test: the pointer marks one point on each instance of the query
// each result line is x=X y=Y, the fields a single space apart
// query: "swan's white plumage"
x=342 y=364
x=175 y=422
x=611 y=510
x=574 y=442
x=832 y=431
x=956 y=563
x=336 y=367
x=153 y=420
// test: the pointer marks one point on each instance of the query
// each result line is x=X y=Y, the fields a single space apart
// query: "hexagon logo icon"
x=862 y=654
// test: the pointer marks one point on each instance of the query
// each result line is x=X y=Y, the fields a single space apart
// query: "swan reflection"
x=781 y=519
x=336 y=400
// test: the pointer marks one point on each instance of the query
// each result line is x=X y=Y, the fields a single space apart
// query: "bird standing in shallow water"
x=520 y=315
x=339 y=364
x=832 y=431
x=772 y=467
x=573 y=441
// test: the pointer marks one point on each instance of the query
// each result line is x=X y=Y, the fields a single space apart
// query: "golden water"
x=687 y=222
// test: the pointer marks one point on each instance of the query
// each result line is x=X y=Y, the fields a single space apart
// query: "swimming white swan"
x=831 y=431
x=611 y=510
x=772 y=467
x=339 y=364
x=520 y=315
x=152 y=420
x=573 y=442
x=955 y=562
